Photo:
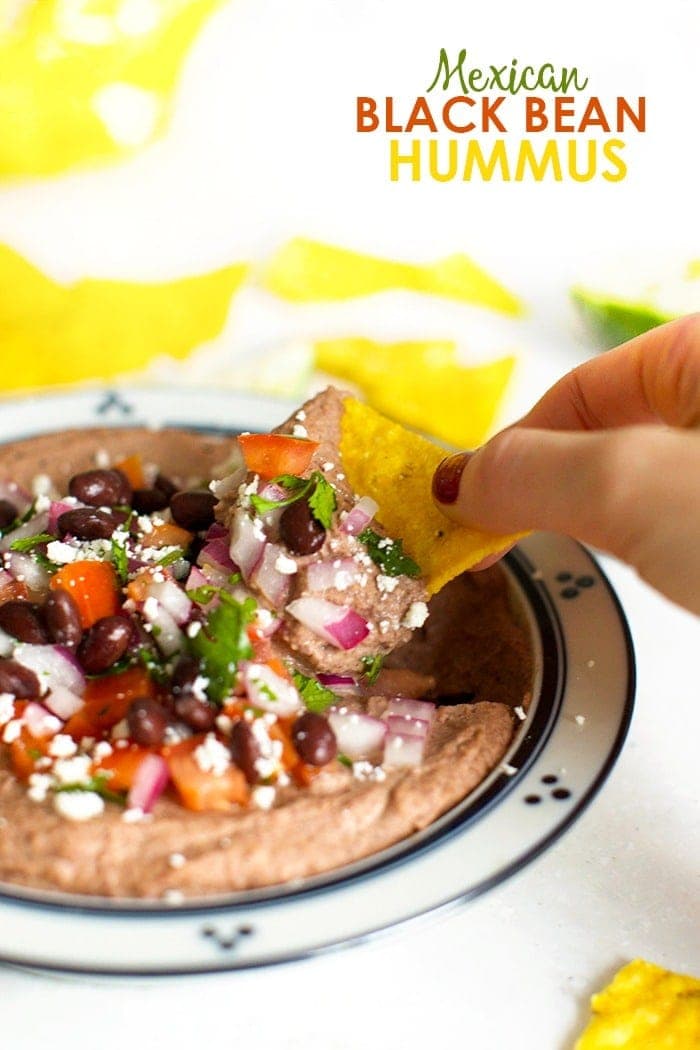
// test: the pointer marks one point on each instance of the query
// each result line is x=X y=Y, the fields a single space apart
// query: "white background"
x=263 y=148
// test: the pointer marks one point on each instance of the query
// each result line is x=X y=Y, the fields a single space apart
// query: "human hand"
x=610 y=455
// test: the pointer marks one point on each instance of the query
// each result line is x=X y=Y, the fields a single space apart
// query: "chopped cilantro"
x=204 y=594
x=98 y=784
x=222 y=642
x=235 y=578
x=171 y=558
x=155 y=667
x=372 y=666
x=388 y=554
x=344 y=760
x=316 y=490
x=316 y=697
x=120 y=561
x=28 y=542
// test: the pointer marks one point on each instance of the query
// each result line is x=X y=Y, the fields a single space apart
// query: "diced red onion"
x=360 y=516
x=41 y=722
x=217 y=552
x=168 y=636
x=16 y=495
x=266 y=630
x=260 y=681
x=402 y=750
x=53 y=665
x=215 y=576
x=26 y=570
x=195 y=579
x=56 y=509
x=216 y=531
x=358 y=735
x=338 y=682
x=273 y=493
x=247 y=544
x=63 y=702
x=273 y=584
x=403 y=726
x=402 y=705
x=327 y=575
x=36 y=525
x=172 y=598
x=336 y=624
x=152 y=775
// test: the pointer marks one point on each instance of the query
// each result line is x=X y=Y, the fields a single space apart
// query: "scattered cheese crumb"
x=199 y=687
x=7 y=707
x=387 y=584
x=520 y=712
x=194 y=628
x=63 y=746
x=79 y=805
x=263 y=796
x=62 y=553
x=173 y=896
x=39 y=786
x=580 y=720
x=329 y=466
x=102 y=750
x=41 y=485
x=508 y=769
x=102 y=458
x=301 y=415
x=298 y=431
x=212 y=756
x=287 y=566
x=590 y=663
x=73 y=770
x=416 y=615
x=224 y=724
x=12 y=730
x=177 y=860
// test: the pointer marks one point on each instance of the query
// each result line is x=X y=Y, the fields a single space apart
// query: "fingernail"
x=447 y=477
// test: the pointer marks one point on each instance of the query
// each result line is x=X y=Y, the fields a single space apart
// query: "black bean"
x=18 y=680
x=104 y=644
x=198 y=714
x=299 y=530
x=24 y=621
x=101 y=488
x=148 y=501
x=245 y=750
x=165 y=485
x=63 y=619
x=193 y=510
x=314 y=739
x=185 y=672
x=8 y=513
x=87 y=524
x=147 y=720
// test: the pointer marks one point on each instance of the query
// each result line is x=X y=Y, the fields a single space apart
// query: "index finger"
x=653 y=378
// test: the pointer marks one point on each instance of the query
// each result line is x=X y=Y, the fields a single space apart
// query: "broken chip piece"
x=422 y=384
x=645 y=1006
x=82 y=81
x=308 y=271
x=54 y=333
x=399 y=480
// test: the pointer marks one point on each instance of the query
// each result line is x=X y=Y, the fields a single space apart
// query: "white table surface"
x=240 y=172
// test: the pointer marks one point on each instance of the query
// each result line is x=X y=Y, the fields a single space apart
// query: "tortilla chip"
x=308 y=271
x=53 y=333
x=83 y=81
x=422 y=384
x=395 y=467
x=645 y=1008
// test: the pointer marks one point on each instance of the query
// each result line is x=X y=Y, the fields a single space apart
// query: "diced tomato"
x=271 y=454
x=167 y=535
x=93 y=587
x=137 y=589
x=26 y=749
x=122 y=765
x=302 y=773
x=281 y=730
x=132 y=467
x=107 y=701
x=199 y=790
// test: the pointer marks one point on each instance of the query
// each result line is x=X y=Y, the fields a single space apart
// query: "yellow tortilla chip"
x=395 y=467
x=422 y=384
x=83 y=80
x=53 y=333
x=308 y=271
x=645 y=1008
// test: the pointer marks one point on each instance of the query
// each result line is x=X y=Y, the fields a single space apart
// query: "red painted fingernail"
x=447 y=477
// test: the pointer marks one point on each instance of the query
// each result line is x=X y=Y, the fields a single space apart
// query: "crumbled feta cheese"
x=120 y=731
x=384 y=626
x=287 y=566
x=199 y=687
x=416 y=615
x=39 y=786
x=62 y=553
x=175 y=733
x=173 y=896
x=102 y=458
x=78 y=805
x=328 y=466
x=298 y=431
x=520 y=712
x=7 y=707
x=212 y=756
x=224 y=724
x=41 y=503
x=387 y=584
x=41 y=485
x=341 y=477
x=177 y=860
x=263 y=796
x=193 y=628
x=133 y=815
x=580 y=720
x=590 y=663
x=102 y=750
x=508 y=769
x=366 y=771
x=144 y=523
x=63 y=746
x=74 y=770
x=301 y=415
x=12 y=730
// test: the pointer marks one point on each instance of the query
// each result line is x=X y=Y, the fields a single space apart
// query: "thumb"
x=633 y=492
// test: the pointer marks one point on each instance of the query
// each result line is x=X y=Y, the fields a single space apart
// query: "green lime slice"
x=614 y=321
